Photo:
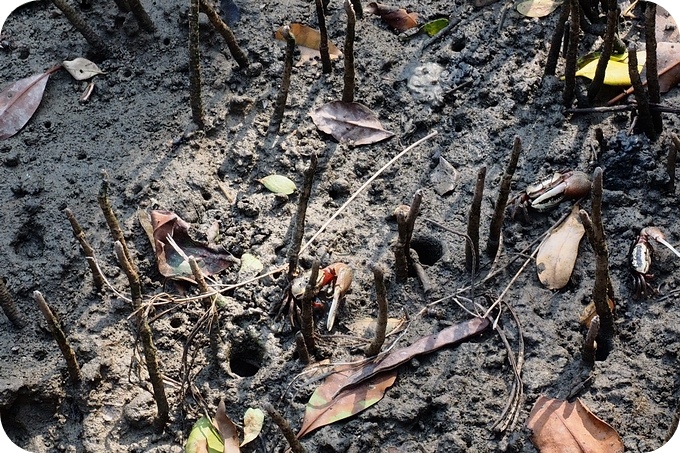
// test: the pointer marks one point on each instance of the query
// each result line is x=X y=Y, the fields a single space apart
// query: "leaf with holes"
x=20 y=100
x=559 y=426
x=82 y=68
x=349 y=122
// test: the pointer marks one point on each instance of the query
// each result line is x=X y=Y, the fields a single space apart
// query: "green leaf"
x=252 y=424
x=250 y=264
x=204 y=438
x=278 y=184
x=435 y=26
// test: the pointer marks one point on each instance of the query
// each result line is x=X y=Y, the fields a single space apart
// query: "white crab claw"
x=555 y=191
x=669 y=246
x=334 y=308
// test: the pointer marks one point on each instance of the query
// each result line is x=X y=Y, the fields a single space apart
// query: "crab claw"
x=343 y=280
x=656 y=234
x=557 y=193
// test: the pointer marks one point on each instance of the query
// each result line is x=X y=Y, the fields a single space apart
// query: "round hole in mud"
x=429 y=249
x=166 y=41
x=175 y=323
x=246 y=357
x=40 y=355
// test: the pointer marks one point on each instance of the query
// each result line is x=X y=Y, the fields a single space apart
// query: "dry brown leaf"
x=394 y=16
x=562 y=427
x=309 y=41
x=227 y=429
x=20 y=100
x=349 y=122
x=211 y=260
x=557 y=255
x=589 y=313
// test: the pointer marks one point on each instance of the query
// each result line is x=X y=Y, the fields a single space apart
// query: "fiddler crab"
x=641 y=256
x=338 y=276
x=550 y=192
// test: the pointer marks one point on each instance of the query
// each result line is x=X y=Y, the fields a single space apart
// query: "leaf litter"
x=350 y=122
x=309 y=41
x=557 y=254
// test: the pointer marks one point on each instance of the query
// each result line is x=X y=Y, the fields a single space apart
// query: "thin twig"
x=88 y=251
x=299 y=226
x=348 y=89
x=282 y=96
x=110 y=216
x=307 y=323
x=59 y=337
x=224 y=30
x=496 y=225
x=641 y=96
x=670 y=162
x=556 y=41
x=285 y=428
x=607 y=47
x=472 y=250
x=572 y=51
x=590 y=345
x=141 y=15
x=651 y=64
x=323 y=45
x=381 y=327
x=79 y=23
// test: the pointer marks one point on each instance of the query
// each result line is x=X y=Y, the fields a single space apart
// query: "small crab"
x=339 y=275
x=550 y=192
x=641 y=257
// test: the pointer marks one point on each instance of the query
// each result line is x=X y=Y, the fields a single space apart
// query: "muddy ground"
x=137 y=126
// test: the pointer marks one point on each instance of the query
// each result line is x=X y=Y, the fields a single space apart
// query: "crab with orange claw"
x=547 y=194
x=337 y=277
x=641 y=257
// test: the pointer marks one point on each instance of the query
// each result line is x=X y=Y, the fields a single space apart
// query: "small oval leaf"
x=252 y=424
x=278 y=184
x=538 y=8
x=435 y=26
x=557 y=255
x=82 y=68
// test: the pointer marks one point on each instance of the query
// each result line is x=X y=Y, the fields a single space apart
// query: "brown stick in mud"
x=9 y=307
x=141 y=15
x=670 y=162
x=79 y=234
x=607 y=47
x=556 y=41
x=284 y=426
x=307 y=323
x=197 y=112
x=323 y=45
x=572 y=51
x=299 y=227
x=472 y=250
x=641 y=95
x=496 y=225
x=590 y=343
x=79 y=23
x=145 y=336
x=224 y=30
x=60 y=338
x=110 y=216
x=406 y=219
x=651 y=64
x=349 y=77
x=381 y=327
x=301 y=348
x=282 y=96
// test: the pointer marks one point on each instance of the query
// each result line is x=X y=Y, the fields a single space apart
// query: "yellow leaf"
x=557 y=255
x=617 y=70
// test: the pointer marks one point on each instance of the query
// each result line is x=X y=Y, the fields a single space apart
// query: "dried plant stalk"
x=572 y=50
x=406 y=222
x=323 y=45
x=641 y=95
x=670 y=162
x=501 y=203
x=60 y=338
x=607 y=47
x=381 y=328
x=146 y=337
x=284 y=426
x=79 y=23
x=224 y=30
x=590 y=344
x=299 y=227
x=349 y=77
x=110 y=216
x=197 y=113
x=301 y=347
x=556 y=41
x=472 y=250
x=79 y=234
x=9 y=307
x=307 y=322
x=282 y=96
x=651 y=64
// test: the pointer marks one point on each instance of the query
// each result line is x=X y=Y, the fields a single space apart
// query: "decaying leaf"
x=252 y=425
x=557 y=255
x=211 y=260
x=327 y=406
x=352 y=389
x=444 y=177
x=559 y=426
x=393 y=16
x=538 y=8
x=309 y=41
x=204 y=438
x=227 y=429
x=349 y=122
x=82 y=68
x=278 y=184
x=20 y=100
x=250 y=266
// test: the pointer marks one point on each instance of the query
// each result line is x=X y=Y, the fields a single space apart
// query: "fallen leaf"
x=204 y=438
x=227 y=429
x=538 y=8
x=425 y=345
x=211 y=260
x=349 y=122
x=252 y=424
x=278 y=184
x=435 y=26
x=20 y=100
x=589 y=313
x=250 y=266
x=325 y=407
x=82 y=68
x=444 y=177
x=562 y=427
x=557 y=255
x=668 y=62
x=616 y=73
x=309 y=41
x=393 y=16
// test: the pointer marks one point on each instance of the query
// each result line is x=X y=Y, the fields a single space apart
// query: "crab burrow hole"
x=246 y=357
x=429 y=249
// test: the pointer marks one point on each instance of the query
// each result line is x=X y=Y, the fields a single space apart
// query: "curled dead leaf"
x=557 y=254
x=349 y=122
x=559 y=426
x=395 y=17
x=227 y=429
x=309 y=41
